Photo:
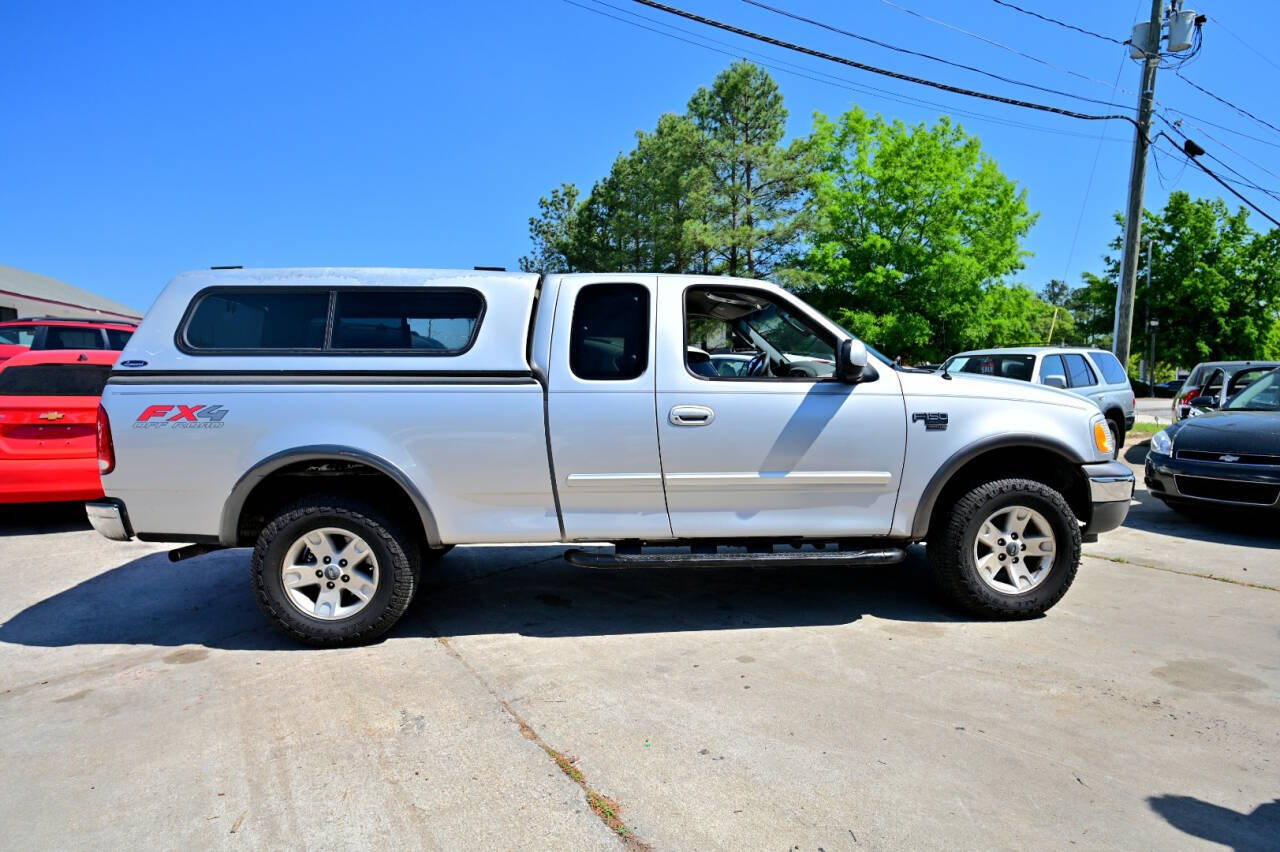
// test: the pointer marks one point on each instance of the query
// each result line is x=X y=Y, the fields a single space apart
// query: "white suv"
x=1091 y=373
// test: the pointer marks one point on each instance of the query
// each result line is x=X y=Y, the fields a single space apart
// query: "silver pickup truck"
x=352 y=425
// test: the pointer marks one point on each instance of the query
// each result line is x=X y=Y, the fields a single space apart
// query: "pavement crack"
x=606 y=809
x=1121 y=561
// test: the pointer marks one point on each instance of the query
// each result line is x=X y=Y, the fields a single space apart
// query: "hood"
x=992 y=387
x=1255 y=432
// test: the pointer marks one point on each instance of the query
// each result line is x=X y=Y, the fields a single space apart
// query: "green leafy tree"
x=1215 y=285
x=910 y=225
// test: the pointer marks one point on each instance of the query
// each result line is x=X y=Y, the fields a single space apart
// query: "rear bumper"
x=1128 y=421
x=110 y=518
x=49 y=480
x=1110 y=491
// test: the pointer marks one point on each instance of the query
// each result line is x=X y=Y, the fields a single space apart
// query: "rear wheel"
x=1007 y=549
x=331 y=571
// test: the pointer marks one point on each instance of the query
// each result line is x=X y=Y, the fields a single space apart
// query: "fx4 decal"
x=181 y=417
x=934 y=421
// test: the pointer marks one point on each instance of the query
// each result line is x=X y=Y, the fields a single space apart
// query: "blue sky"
x=144 y=140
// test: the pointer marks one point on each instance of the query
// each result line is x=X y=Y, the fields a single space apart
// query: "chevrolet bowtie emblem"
x=52 y=415
x=1229 y=458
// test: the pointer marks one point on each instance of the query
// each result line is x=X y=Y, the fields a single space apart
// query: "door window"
x=1052 y=366
x=768 y=337
x=1079 y=371
x=610 y=337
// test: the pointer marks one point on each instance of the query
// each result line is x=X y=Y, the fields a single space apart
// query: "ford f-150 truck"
x=352 y=425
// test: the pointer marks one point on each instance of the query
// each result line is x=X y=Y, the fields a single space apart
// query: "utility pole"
x=1123 y=328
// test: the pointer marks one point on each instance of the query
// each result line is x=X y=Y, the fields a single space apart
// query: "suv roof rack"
x=111 y=320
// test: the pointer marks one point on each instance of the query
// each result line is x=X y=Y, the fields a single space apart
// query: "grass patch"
x=1147 y=428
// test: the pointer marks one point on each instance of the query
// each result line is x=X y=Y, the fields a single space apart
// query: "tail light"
x=106 y=448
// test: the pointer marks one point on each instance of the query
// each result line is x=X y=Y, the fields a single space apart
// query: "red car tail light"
x=106 y=447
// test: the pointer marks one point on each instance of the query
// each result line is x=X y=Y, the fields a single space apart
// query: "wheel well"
x=1116 y=416
x=343 y=477
x=1035 y=463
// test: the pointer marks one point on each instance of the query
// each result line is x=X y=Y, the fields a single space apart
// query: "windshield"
x=786 y=333
x=1262 y=395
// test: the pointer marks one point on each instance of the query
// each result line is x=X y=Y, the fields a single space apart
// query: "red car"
x=39 y=333
x=48 y=425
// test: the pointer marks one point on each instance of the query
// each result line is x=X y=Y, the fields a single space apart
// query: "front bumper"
x=1213 y=483
x=110 y=518
x=1110 y=491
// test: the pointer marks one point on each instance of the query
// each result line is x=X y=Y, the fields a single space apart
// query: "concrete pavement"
x=145 y=703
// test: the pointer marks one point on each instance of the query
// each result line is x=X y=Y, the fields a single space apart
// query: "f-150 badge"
x=934 y=421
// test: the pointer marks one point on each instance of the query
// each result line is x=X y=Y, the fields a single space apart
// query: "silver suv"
x=1091 y=373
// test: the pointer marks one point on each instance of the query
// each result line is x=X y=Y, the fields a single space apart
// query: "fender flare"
x=234 y=504
x=942 y=476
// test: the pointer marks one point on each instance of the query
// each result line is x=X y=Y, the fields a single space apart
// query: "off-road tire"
x=951 y=542
x=395 y=550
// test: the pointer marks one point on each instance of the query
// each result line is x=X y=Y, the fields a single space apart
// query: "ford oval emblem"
x=133 y=363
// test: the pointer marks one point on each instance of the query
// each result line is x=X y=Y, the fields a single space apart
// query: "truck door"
x=783 y=449
x=604 y=443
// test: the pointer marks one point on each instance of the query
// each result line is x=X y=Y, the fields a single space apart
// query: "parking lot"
x=528 y=703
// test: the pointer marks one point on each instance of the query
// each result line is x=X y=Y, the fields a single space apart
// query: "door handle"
x=691 y=415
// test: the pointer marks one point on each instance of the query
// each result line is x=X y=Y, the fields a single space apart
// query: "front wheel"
x=330 y=571
x=1007 y=549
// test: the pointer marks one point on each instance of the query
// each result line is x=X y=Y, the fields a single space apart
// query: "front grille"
x=1240 y=458
x=1227 y=490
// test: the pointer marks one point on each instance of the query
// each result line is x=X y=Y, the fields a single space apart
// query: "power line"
x=862 y=66
x=1211 y=173
x=1232 y=130
x=1093 y=169
x=1221 y=100
x=1244 y=181
x=1260 y=54
x=1003 y=46
x=1061 y=23
x=806 y=73
x=907 y=51
x=1209 y=135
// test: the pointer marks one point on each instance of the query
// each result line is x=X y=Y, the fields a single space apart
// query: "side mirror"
x=1058 y=382
x=851 y=361
x=1204 y=403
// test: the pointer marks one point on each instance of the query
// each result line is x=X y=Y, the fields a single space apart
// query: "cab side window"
x=1213 y=386
x=1079 y=370
x=751 y=334
x=610 y=337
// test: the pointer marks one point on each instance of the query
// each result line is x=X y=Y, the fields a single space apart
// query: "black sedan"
x=1229 y=458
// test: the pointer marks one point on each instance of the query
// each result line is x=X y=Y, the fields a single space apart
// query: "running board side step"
x=873 y=556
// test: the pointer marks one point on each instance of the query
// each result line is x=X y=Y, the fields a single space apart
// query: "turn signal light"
x=1102 y=438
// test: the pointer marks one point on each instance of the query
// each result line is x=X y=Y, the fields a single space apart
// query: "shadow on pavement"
x=1259 y=829
x=39 y=518
x=1243 y=527
x=530 y=591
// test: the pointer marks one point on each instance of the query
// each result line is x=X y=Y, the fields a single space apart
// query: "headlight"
x=1102 y=439
x=1161 y=443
